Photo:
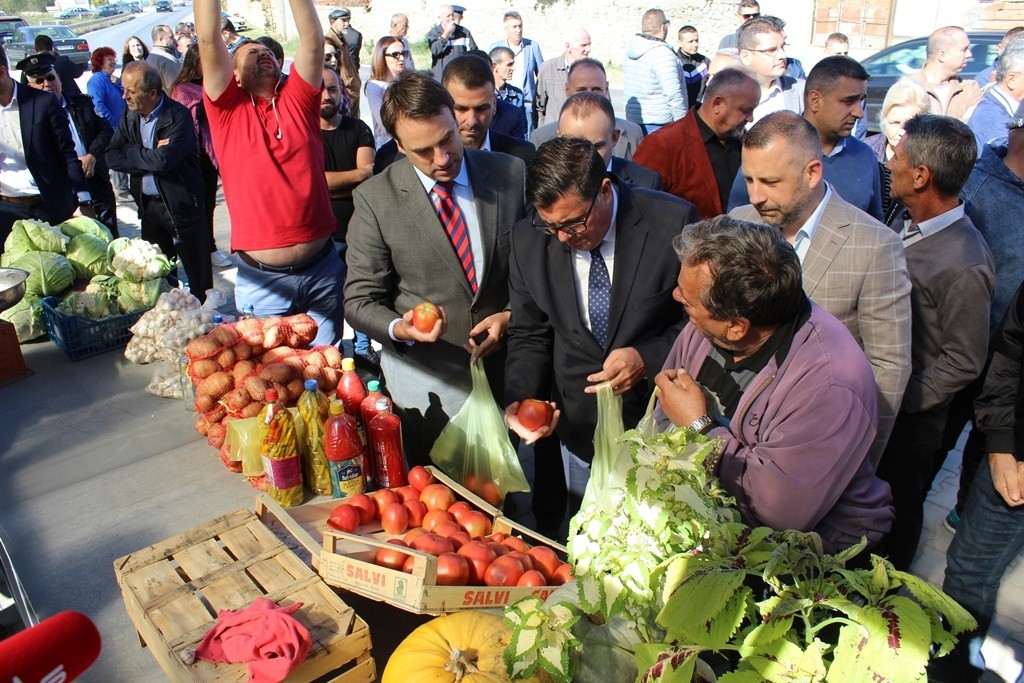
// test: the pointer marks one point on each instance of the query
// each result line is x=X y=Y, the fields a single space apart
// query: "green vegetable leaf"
x=555 y=660
x=762 y=637
x=929 y=596
x=661 y=663
x=697 y=600
x=780 y=661
x=740 y=677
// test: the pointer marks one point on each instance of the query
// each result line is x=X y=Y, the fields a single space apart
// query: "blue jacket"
x=530 y=58
x=653 y=82
x=988 y=122
x=990 y=190
x=107 y=97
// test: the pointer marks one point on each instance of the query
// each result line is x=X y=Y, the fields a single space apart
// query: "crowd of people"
x=835 y=307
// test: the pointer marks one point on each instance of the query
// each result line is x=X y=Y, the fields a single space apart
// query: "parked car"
x=74 y=13
x=111 y=10
x=238 y=21
x=163 y=6
x=8 y=25
x=22 y=43
x=135 y=8
x=888 y=65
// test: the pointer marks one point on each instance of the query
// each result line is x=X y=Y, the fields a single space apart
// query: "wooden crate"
x=173 y=591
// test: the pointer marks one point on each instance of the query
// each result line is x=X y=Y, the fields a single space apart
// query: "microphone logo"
x=58 y=675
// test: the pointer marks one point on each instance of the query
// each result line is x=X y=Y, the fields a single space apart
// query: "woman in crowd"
x=389 y=55
x=188 y=90
x=337 y=57
x=134 y=49
x=108 y=99
x=904 y=101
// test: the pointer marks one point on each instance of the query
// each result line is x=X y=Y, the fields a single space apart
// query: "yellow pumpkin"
x=464 y=646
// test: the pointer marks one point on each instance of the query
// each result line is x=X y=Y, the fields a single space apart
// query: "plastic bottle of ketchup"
x=389 y=456
x=368 y=406
x=344 y=451
x=350 y=391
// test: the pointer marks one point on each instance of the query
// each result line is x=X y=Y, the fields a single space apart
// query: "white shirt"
x=802 y=242
x=15 y=178
x=932 y=225
x=487 y=142
x=581 y=265
x=80 y=149
x=518 y=68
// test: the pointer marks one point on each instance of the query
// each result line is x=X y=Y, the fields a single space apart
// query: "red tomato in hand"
x=425 y=316
x=395 y=519
x=344 y=518
x=392 y=559
x=534 y=414
x=452 y=570
x=367 y=508
x=504 y=571
x=420 y=478
x=480 y=557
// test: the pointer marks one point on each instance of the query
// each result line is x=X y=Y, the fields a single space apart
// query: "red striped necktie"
x=450 y=215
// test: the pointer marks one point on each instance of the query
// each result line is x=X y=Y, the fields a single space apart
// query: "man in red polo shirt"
x=266 y=133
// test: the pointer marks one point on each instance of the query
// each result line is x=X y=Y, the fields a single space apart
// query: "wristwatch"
x=702 y=424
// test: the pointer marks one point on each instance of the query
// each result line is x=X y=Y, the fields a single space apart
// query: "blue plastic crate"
x=81 y=337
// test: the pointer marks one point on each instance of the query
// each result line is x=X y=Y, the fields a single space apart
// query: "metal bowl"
x=12 y=286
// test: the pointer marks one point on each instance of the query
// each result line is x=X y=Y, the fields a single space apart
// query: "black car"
x=163 y=6
x=8 y=25
x=111 y=10
x=886 y=67
x=22 y=43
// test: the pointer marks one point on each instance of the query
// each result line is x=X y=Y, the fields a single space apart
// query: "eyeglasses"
x=404 y=54
x=330 y=55
x=48 y=78
x=755 y=15
x=771 y=52
x=571 y=228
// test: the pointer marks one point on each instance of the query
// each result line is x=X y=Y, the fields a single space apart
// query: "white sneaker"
x=221 y=260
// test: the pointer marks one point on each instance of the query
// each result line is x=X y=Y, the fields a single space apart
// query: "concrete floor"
x=94 y=468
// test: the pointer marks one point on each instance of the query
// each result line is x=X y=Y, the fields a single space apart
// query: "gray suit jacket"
x=399 y=255
x=855 y=269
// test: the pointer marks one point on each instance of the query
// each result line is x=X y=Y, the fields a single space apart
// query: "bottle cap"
x=248 y=308
x=373 y=385
x=337 y=407
x=381 y=404
x=348 y=364
x=310 y=384
x=217 y=319
x=270 y=395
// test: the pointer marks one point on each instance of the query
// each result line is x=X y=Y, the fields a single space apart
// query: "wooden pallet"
x=173 y=591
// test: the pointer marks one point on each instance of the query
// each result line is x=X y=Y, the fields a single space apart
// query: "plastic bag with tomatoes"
x=474 y=449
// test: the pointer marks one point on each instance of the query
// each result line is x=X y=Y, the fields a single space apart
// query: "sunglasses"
x=48 y=78
x=395 y=55
x=330 y=55
x=755 y=15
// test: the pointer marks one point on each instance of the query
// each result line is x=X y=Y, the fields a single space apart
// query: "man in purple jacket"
x=781 y=381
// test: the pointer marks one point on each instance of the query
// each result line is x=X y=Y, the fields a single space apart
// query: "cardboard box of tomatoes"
x=459 y=554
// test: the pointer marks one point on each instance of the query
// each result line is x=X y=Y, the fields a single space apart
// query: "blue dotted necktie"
x=599 y=296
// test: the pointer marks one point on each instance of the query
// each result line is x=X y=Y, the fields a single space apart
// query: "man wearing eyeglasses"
x=747 y=10
x=90 y=132
x=42 y=177
x=591 y=276
x=762 y=46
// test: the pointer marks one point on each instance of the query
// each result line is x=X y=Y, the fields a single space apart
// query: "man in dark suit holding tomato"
x=590 y=286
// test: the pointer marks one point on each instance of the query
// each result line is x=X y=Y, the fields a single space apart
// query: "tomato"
x=366 y=506
x=407 y=566
x=433 y=544
x=480 y=557
x=395 y=519
x=471 y=483
x=489 y=492
x=413 y=534
x=498 y=548
x=381 y=498
x=496 y=537
x=416 y=512
x=452 y=570
x=425 y=316
x=562 y=575
x=344 y=518
x=545 y=560
x=534 y=414
x=476 y=524
x=446 y=528
x=523 y=558
x=435 y=517
x=437 y=497
x=504 y=571
x=459 y=539
x=516 y=543
x=458 y=509
x=392 y=559
x=532 y=578
x=420 y=478
x=405 y=493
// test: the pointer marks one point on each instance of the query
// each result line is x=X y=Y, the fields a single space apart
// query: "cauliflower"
x=137 y=260
x=94 y=305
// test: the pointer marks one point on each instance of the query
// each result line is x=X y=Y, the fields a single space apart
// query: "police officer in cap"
x=341 y=27
x=90 y=133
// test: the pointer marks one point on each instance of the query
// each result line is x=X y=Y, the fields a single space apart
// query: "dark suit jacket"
x=388 y=152
x=550 y=352
x=509 y=120
x=635 y=174
x=50 y=152
x=94 y=130
x=175 y=165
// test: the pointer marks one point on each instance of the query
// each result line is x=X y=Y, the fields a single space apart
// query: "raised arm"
x=309 y=57
x=213 y=53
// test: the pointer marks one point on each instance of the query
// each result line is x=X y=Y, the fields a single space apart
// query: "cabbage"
x=27 y=318
x=83 y=225
x=49 y=274
x=88 y=255
x=136 y=296
x=28 y=235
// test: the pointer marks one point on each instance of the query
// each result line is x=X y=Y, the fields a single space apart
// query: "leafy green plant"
x=663 y=549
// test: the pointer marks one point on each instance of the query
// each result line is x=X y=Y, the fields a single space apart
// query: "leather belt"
x=328 y=248
x=22 y=201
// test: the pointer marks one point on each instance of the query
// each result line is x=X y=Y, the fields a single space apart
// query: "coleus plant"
x=663 y=549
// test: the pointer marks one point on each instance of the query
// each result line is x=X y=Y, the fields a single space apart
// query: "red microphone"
x=55 y=650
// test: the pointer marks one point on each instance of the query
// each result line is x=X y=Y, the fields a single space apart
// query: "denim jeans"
x=989 y=537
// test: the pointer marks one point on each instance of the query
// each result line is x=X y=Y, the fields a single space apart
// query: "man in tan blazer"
x=853 y=266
